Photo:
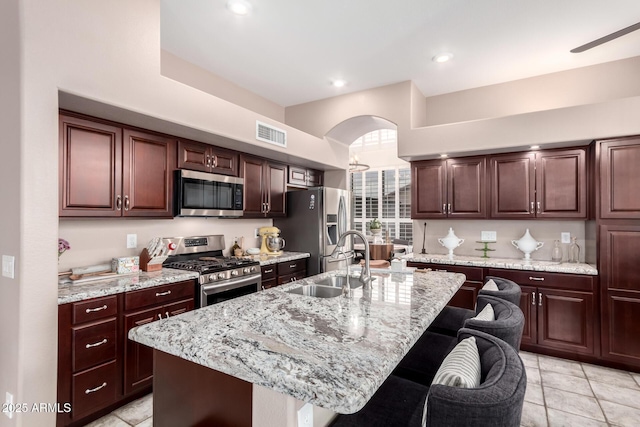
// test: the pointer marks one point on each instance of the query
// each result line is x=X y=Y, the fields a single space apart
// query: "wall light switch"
x=488 y=236
x=8 y=266
x=565 y=237
x=132 y=241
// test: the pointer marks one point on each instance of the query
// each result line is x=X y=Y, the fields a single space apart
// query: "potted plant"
x=375 y=226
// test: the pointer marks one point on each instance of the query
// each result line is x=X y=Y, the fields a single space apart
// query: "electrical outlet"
x=257 y=232
x=565 y=237
x=8 y=266
x=305 y=415
x=488 y=236
x=8 y=405
x=132 y=241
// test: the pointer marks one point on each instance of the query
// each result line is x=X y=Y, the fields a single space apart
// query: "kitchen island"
x=331 y=352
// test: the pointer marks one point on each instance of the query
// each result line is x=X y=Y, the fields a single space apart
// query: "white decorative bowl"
x=253 y=251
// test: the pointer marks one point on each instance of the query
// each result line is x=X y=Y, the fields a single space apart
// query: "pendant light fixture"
x=354 y=166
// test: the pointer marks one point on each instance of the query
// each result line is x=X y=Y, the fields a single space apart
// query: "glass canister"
x=574 y=251
x=556 y=252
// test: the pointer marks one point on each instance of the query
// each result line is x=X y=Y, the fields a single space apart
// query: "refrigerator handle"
x=342 y=216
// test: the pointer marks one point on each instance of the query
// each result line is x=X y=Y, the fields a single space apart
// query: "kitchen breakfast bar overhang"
x=212 y=365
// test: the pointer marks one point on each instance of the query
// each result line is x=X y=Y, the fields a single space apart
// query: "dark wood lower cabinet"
x=283 y=272
x=468 y=292
x=99 y=368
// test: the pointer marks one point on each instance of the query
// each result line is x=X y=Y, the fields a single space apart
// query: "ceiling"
x=289 y=51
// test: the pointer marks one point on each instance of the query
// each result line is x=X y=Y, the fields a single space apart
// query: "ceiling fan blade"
x=607 y=38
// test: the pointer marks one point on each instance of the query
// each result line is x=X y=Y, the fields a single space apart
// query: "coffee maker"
x=272 y=243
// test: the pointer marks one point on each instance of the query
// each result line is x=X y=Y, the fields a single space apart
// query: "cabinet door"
x=194 y=155
x=90 y=168
x=138 y=358
x=147 y=173
x=466 y=187
x=224 y=162
x=561 y=184
x=276 y=189
x=620 y=287
x=297 y=176
x=314 y=178
x=428 y=189
x=620 y=178
x=252 y=170
x=466 y=296
x=528 y=305
x=566 y=320
x=512 y=185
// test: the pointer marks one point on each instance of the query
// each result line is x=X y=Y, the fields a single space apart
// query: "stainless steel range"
x=221 y=278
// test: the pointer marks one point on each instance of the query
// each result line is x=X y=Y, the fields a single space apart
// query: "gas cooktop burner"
x=211 y=264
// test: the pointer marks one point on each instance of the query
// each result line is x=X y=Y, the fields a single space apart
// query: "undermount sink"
x=339 y=281
x=317 y=291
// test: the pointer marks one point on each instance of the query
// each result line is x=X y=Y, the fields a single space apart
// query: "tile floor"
x=560 y=392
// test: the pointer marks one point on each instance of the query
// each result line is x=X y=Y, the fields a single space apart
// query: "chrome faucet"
x=365 y=275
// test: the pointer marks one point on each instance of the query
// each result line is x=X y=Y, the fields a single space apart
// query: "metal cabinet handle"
x=540 y=299
x=449 y=208
x=268 y=271
x=118 y=202
x=104 y=341
x=292 y=266
x=215 y=161
x=532 y=209
x=166 y=314
x=293 y=279
x=538 y=205
x=90 y=310
x=538 y=279
x=533 y=298
x=444 y=209
x=92 y=390
x=159 y=316
x=126 y=203
x=161 y=294
x=208 y=160
x=263 y=288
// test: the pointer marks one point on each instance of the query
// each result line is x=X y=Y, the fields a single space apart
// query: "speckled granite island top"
x=285 y=257
x=332 y=352
x=507 y=263
x=100 y=288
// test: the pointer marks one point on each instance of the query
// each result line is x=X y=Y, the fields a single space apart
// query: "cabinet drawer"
x=287 y=278
x=94 y=309
x=268 y=272
x=550 y=280
x=158 y=295
x=94 y=389
x=292 y=266
x=93 y=344
x=472 y=273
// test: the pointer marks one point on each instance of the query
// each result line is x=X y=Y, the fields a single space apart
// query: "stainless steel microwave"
x=207 y=194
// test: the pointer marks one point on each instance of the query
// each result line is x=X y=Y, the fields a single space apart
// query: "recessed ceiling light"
x=339 y=83
x=442 y=57
x=239 y=7
x=535 y=147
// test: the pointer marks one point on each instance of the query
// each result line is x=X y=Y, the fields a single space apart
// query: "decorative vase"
x=527 y=244
x=574 y=251
x=451 y=241
x=377 y=235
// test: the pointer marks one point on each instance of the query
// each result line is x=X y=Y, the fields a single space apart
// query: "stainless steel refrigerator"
x=315 y=220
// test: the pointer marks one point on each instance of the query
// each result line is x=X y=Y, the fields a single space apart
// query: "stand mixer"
x=272 y=244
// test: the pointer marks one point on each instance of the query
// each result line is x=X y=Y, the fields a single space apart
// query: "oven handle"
x=228 y=284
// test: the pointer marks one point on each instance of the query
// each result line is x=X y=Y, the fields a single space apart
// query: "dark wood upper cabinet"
x=108 y=171
x=301 y=177
x=620 y=178
x=265 y=185
x=544 y=184
x=453 y=188
x=512 y=185
x=90 y=161
x=207 y=158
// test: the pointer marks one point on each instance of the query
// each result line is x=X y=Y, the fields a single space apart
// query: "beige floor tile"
x=609 y=376
x=636 y=377
x=146 y=423
x=620 y=415
x=565 y=419
x=533 y=415
x=562 y=366
x=566 y=382
x=616 y=394
x=533 y=375
x=529 y=359
x=136 y=411
x=108 y=421
x=534 y=394
x=574 y=403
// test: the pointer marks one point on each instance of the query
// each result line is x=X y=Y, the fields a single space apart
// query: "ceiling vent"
x=270 y=134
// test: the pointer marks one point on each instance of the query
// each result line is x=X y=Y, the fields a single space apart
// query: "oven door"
x=217 y=292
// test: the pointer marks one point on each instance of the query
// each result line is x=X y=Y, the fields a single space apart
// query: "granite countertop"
x=507 y=263
x=99 y=288
x=286 y=256
x=334 y=352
